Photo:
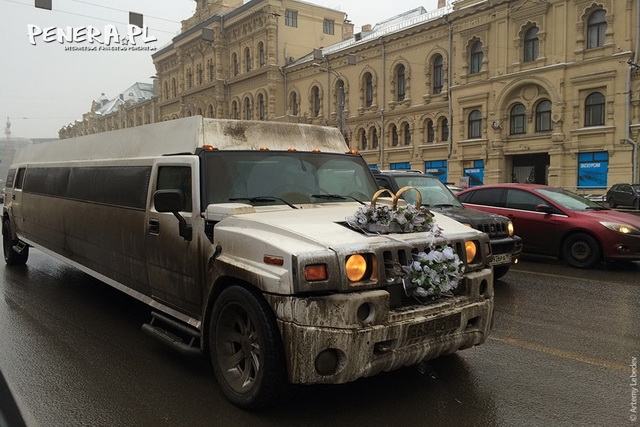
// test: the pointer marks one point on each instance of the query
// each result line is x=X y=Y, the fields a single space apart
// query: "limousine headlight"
x=360 y=267
x=471 y=249
x=510 y=229
x=621 y=227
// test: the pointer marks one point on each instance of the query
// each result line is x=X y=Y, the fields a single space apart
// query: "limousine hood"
x=313 y=234
x=314 y=228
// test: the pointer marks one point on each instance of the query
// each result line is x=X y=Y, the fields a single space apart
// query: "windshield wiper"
x=444 y=205
x=595 y=208
x=258 y=199
x=335 y=197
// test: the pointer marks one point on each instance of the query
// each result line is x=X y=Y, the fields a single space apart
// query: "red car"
x=557 y=222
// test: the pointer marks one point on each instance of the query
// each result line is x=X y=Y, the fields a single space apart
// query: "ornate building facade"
x=543 y=91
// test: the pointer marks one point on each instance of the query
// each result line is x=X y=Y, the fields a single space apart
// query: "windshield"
x=277 y=177
x=434 y=193
x=569 y=200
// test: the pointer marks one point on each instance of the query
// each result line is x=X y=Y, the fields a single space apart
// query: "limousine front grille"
x=494 y=229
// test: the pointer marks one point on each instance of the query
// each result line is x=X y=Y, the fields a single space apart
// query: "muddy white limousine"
x=266 y=247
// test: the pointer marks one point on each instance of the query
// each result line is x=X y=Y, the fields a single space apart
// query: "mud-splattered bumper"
x=340 y=338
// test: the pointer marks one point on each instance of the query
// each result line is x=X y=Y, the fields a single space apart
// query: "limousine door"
x=173 y=262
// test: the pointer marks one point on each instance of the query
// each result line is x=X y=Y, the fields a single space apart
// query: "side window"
x=521 y=200
x=176 y=178
x=486 y=197
x=10 y=176
x=20 y=178
x=383 y=183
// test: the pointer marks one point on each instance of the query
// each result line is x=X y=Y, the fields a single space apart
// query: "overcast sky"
x=44 y=87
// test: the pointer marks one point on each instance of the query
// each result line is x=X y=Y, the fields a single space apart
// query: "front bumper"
x=506 y=251
x=336 y=327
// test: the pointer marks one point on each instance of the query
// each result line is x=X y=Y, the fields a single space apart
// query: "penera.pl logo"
x=109 y=38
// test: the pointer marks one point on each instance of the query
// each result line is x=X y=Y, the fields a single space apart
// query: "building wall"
x=495 y=90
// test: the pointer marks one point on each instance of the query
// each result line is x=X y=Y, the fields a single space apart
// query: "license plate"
x=501 y=259
x=433 y=328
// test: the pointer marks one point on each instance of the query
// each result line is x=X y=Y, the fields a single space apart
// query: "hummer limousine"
x=235 y=234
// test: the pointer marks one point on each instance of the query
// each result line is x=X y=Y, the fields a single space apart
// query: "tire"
x=612 y=204
x=581 y=251
x=500 y=271
x=246 y=349
x=12 y=257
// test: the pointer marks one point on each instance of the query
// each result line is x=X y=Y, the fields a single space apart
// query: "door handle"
x=154 y=226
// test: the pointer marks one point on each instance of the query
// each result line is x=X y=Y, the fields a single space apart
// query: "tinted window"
x=118 y=186
x=522 y=200
x=485 y=197
x=176 y=178
x=10 y=176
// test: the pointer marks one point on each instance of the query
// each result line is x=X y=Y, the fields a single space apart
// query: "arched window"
x=189 y=78
x=594 y=110
x=174 y=87
x=363 y=139
x=401 y=83
x=445 y=130
x=199 y=74
x=596 y=29
x=438 y=77
x=475 y=124
x=261 y=55
x=210 y=66
x=234 y=63
x=210 y=112
x=368 y=90
x=517 y=120
x=431 y=133
x=248 y=110
x=374 y=138
x=234 y=110
x=261 y=107
x=394 y=136
x=543 y=116
x=315 y=101
x=166 y=90
x=247 y=59
x=293 y=102
x=531 y=44
x=407 y=134
x=475 y=60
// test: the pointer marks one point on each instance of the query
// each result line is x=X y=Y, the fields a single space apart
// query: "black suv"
x=505 y=246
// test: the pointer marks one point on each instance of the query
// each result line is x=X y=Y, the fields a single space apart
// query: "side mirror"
x=543 y=208
x=173 y=201
x=168 y=200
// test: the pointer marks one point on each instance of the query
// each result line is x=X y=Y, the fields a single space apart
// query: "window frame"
x=593 y=107
x=596 y=29
x=474 y=129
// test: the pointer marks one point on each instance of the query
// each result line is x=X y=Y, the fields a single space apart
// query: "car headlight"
x=510 y=228
x=360 y=267
x=471 y=250
x=621 y=227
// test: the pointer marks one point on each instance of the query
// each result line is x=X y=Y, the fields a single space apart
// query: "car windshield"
x=277 y=177
x=570 y=200
x=636 y=187
x=434 y=193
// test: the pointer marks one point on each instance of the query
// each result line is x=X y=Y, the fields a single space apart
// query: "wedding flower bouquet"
x=433 y=273
x=391 y=218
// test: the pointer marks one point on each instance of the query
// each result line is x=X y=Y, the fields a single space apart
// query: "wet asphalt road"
x=560 y=354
